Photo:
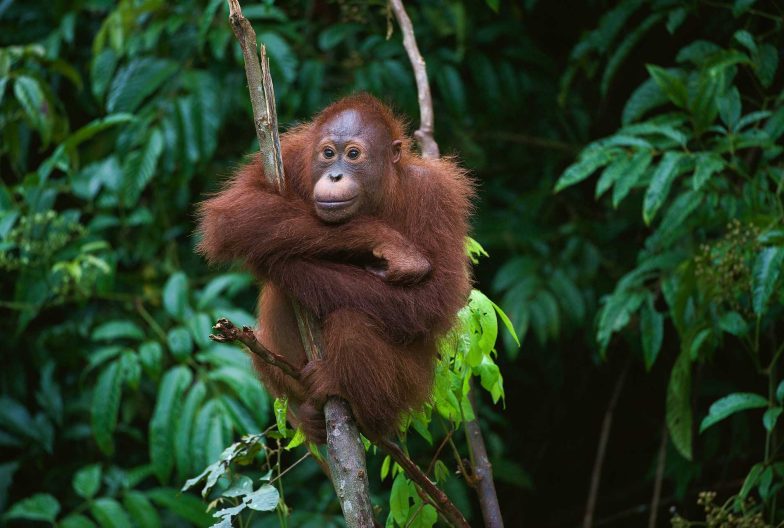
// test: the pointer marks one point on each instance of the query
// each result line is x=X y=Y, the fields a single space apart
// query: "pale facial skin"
x=348 y=165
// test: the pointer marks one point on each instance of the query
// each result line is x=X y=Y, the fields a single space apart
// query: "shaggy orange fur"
x=380 y=336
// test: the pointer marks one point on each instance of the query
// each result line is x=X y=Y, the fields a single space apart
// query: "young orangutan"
x=367 y=235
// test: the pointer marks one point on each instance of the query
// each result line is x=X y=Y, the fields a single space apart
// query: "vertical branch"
x=601 y=449
x=346 y=453
x=424 y=134
x=657 y=485
x=482 y=469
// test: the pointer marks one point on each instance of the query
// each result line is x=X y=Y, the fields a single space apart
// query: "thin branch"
x=346 y=453
x=262 y=97
x=440 y=499
x=226 y=332
x=601 y=449
x=424 y=134
x=338 y=426
x=657 y=485
x=482 y=471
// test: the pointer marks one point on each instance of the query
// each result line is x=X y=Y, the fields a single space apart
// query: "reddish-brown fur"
x=380 y=336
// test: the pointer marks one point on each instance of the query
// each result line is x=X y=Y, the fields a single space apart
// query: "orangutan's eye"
x=329 y=153
x=353 y=153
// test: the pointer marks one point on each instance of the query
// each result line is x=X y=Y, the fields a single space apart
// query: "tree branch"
x=424 y=134
x=346 y=454
x=601 y=449
x=440 y=499
x=226 y=332
x=482 y=470
x=657 y=485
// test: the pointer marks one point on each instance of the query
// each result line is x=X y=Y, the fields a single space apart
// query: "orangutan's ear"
x=397 y=149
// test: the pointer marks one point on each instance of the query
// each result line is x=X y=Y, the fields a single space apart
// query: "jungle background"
x=629 y=162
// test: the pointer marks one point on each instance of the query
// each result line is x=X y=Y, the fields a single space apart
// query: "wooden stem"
x=601 y=449
x=424 y=134
x=482 y=469
x=345 y=450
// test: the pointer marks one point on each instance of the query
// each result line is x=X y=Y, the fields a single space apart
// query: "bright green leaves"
x=264 y=498
x=406 y=508
x=399 y=499
x=175 y=296
x=731 y=404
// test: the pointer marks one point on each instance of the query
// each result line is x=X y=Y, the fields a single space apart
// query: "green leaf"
x=730 y=107
x=33 y=101
x=101 y=71
x=652 y=332
x=39 y=507
x=741 y=6
x=751 y=480
x=770 y=417
x=139 y=167
x=706 y=164
x=399 y=499
x=110 y=514
x=280 y=407
x=175 y=295
x=616 y=313
x=142 y=511
x=150 y=355
x=733 y=323
x=265 y=498
x=183 y=436
x=507 y=323
x=385 y=465
x=646 y=97
x=118 y=330
x=780 y=392
x=661 y=182
x=589 y=162
x=634 y=171
x=678 y=408
x=671 y=83
x=106 y=405
x=767 y=269
x=696 y=344
x=766 y=63
x=180 y=343
x=76 y=521
x=164 y=420
x=136 y=81
x=731 y=404
x=183 y=505
x=87 y=480
x=697 y=52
